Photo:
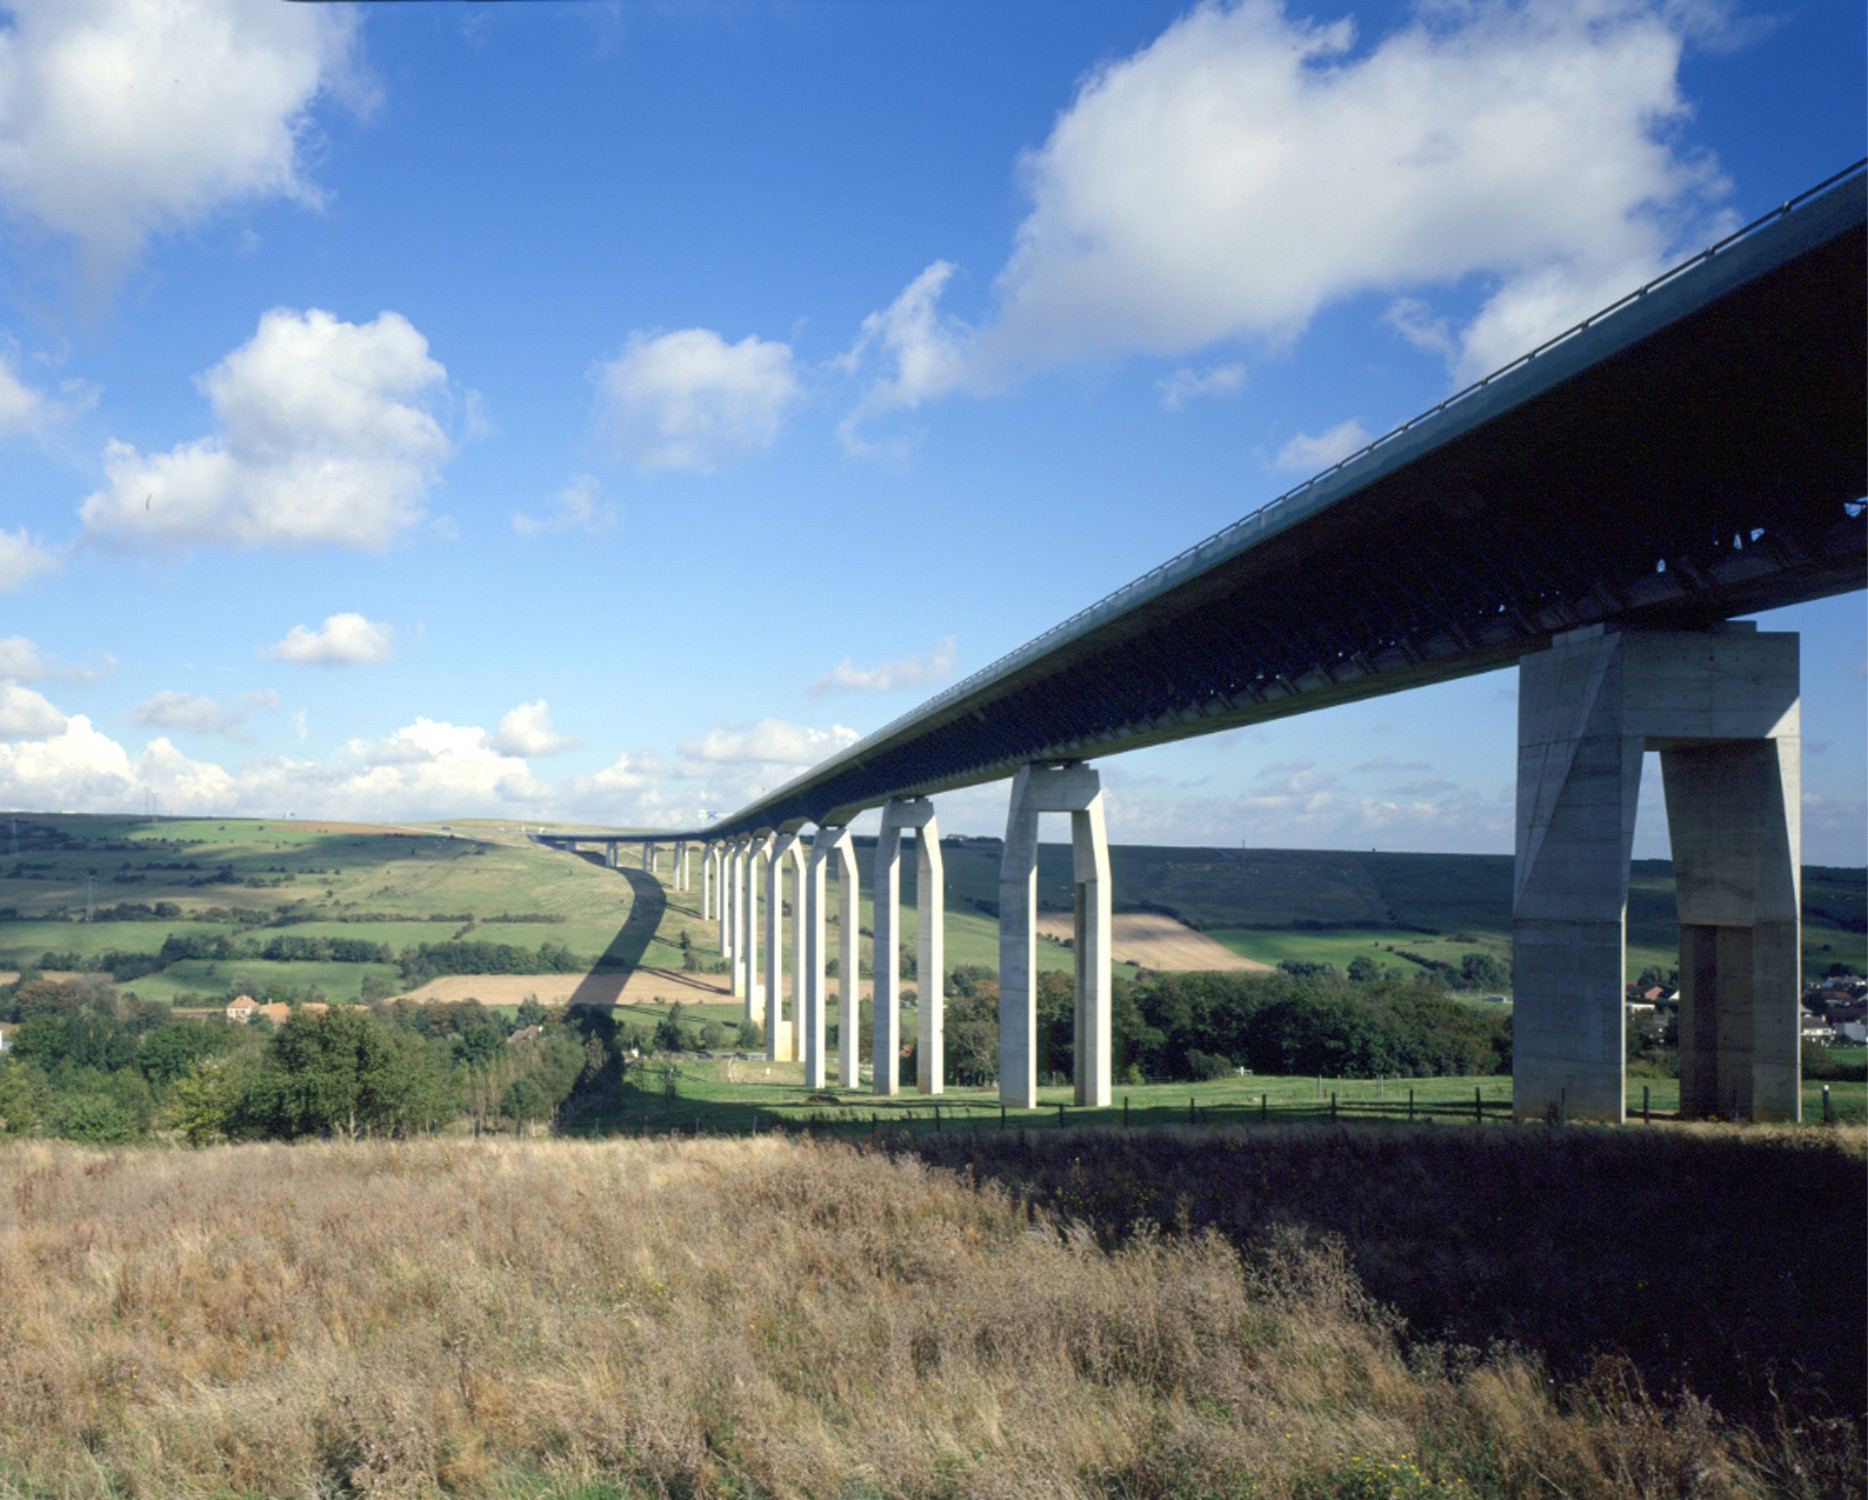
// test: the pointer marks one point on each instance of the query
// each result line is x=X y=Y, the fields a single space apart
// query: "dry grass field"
x=739 y=1318
x=1151 y=940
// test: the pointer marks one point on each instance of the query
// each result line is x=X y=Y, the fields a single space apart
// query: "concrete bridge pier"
x=784 y=1025
x=1722 y=708
x=800 y=861
x=1076 y=789
x=831 y=846
x=710 y=856
x=898 y=815
x=757 y=849
x=729 y=911
x=609 y=854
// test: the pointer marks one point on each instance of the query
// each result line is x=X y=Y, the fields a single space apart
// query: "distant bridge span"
x=1695 y=452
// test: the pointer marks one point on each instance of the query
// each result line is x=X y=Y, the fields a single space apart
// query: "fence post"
x=1478 y=1108
x=1060 y=1116
x=1002 y=1117
x=1410 y=1104
x=937 y=1119
x=1646 y=1119
x=1332 y=1104
x=1825 y=1104
x=1264 y=1107
x=1125 y=1111
x=1190 y=1110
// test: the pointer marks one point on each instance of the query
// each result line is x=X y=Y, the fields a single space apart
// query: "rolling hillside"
x=339 y=904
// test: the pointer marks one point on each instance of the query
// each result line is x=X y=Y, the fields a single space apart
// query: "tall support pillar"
x=800 y=859
x=781 y=1035
x=1722 y=708
x=706 y=882
x=756 y=850
x=729 y=884
x=930 y=960
x=729 y=913
x=831 y=847
x=885 y=1009
x=1077 y=790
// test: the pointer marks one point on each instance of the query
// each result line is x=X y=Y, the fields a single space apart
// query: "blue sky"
x=600 y=412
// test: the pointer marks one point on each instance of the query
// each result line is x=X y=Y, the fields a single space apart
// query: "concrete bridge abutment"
x=1721 y=707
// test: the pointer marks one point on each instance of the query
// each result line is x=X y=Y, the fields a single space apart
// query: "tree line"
x=90 y=1063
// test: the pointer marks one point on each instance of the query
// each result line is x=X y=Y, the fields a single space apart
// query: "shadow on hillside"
x=625 y=951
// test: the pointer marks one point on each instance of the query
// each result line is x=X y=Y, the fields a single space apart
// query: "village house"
x=245 y=1007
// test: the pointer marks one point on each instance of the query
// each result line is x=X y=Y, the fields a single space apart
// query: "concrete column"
x=930 y=958
x=1077 y=790
x=1722 y=708
x=757 y=850
x=849 y=964
x=799 y=861
x=815 y=930
x=885 y=992
x=706 y=882
x=729 y=885
x=780 y=1043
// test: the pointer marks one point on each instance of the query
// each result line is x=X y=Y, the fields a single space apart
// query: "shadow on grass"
x=1721 y=1261
x=624 y=952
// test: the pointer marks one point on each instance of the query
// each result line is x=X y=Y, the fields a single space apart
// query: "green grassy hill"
x=84 y=888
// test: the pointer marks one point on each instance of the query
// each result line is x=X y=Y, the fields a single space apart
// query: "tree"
x=1483 y=971
x=348 y=1073
x=204 y=1101
x=670 y=1034
x=1364 y=970
x=751 y=1036
x=524 y=1102
x=531 y=1012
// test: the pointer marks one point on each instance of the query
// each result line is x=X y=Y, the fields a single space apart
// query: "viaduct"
x=1596 y=513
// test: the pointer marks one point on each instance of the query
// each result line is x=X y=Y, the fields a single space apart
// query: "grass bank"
x=775 y=1318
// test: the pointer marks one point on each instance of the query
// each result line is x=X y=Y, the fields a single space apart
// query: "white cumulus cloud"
x=344 y=640
x=124 y=118
x=21 y=407
x=1185 y=385
x=199 y=714
x=690 y=400
x=1305 y=454
x=576 y=507
x=323 y=440
x=1250 y=167
x=925 y=353
x=26 y=715
x=22 y=558
x=527 y=731
x=909 y=671
x=770 y=742
x=21 y=660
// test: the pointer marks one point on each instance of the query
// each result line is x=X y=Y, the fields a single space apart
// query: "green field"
x=255 y=879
